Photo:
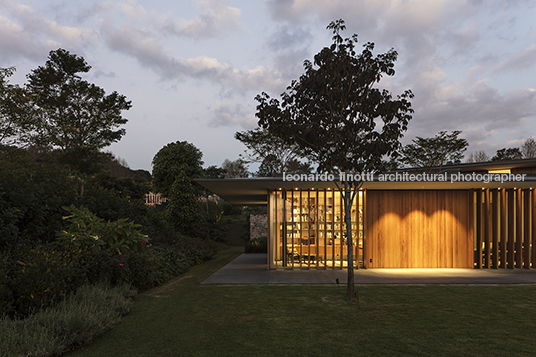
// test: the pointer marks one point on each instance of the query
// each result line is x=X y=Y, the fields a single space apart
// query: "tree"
x=16 y=125
x=505 y=154
x=433 y=153
x=272 y=152
x=528 y=149
x=477 y=156
x=174 y=168
x=75 y=116
x=332 y=112
x=235 y=169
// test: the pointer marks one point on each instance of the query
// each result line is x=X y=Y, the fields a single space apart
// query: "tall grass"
x=74 y=322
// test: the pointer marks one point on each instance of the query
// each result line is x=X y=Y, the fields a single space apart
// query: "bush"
x=74 y=322
x=84 y=229
x=258 y=245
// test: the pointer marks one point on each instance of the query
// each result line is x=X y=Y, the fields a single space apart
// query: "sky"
x=193 y=68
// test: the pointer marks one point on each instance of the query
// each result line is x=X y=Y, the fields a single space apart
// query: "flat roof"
x=254 y=191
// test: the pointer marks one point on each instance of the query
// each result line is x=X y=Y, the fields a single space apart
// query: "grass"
x=184 y=318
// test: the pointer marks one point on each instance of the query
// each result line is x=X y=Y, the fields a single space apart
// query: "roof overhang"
x=254 y=191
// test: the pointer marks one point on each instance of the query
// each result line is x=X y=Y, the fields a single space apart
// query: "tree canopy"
x=74 y=113
x=273 y=153
x=506 y=154
x=434 y=153
x=528 y=149
x=338 y=116
x=16 y=124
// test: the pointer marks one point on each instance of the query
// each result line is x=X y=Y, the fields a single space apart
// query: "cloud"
x=215 y=18
x=230 y=114
x=520 y=61
x=28 y=34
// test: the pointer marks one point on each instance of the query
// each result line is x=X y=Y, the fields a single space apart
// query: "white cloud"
x=232 y=114
x=215 y=17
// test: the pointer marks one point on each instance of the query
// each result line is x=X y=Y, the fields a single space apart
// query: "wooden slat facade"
x=418 y=229
x=476 y=228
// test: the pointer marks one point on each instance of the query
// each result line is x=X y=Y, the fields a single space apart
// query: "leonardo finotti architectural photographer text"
x=409 y=177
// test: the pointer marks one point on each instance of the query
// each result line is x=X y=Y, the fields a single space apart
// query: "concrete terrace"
x=251 y=269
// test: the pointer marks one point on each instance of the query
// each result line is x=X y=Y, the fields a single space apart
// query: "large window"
x=309 y=230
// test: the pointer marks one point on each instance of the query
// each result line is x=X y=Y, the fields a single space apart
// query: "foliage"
x=505 y=154
x=478 y=156
x=84 y=229
x=174 y=168
x=433 y=153
x=332 y=111
x=235 y=169
x=214 y=172
x=31 y=195
x=274 y=153
x=179 y=160
x=75 y=322
x=76 y=116
x=257 y=245
x=16 y=122
x=53 y=271
x=528 y=149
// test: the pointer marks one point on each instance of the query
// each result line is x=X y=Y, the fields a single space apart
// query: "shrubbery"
x=258 y=245
x=74 y=322
x=53 y=271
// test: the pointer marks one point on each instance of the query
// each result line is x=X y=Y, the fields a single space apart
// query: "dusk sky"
x=193 y=68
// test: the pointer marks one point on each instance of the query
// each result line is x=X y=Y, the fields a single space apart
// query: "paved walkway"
x=251 y=269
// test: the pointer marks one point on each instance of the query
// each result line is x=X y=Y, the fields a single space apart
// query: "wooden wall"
x=419 y=229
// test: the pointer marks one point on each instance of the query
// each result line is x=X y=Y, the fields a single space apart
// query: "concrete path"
x=251 y=269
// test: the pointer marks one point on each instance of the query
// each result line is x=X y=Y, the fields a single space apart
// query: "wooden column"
x=487 y=224
x=495 y=228
x=519 y=228
x=526 y=228
x=511 y=228
x=533 y=229
x=479 y=230
x=504 y=228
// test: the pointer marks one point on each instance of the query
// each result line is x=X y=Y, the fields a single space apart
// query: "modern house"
x=478 y=215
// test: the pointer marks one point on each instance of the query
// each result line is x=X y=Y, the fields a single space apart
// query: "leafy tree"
x=478 y=156
x=528 y=149
x=214 y=172
x=75 y=116
x=505 y=154
x=272 y=152
x=235 y=169
x=174 y=168
x=332 y=112
x=16 y=125
x=433 y=153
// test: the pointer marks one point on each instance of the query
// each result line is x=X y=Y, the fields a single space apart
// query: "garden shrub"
x=84 y=229
x=258 y=245
x=76 y=321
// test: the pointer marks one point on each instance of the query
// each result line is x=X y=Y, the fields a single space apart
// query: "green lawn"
x=184 y=318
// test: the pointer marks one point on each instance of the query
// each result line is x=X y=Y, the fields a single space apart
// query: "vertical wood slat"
x=478 y=250
x=487 y=230
x=495 y=228
x=519 y=229
x=470 y=258
x=366 y=244
x=503 y=227
x=511 y=228
x=534 y=229
x=270 y=214
x=526 y=229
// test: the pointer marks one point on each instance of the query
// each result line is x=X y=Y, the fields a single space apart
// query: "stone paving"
x=251 y=269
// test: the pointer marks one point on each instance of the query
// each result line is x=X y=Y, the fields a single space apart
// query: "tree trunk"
x=348 y=199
